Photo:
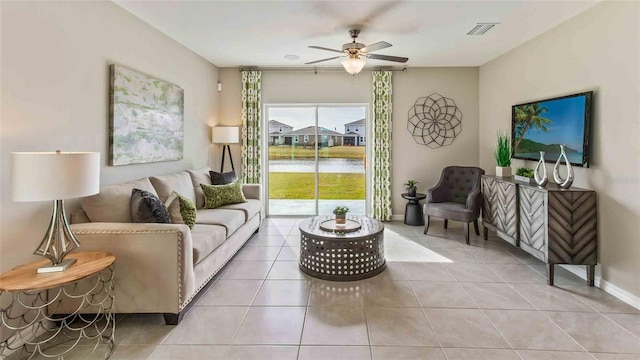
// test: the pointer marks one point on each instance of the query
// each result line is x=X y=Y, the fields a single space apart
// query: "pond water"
x=328 y=165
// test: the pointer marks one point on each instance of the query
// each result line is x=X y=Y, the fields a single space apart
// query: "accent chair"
x=457 y=196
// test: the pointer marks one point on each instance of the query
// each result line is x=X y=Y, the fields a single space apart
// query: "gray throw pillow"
x=147 y=208
x=222 y=178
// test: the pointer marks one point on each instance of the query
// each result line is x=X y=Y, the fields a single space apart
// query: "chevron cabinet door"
x=507 y=209
x=533 y=221
x=573 y=230
x=488 y=205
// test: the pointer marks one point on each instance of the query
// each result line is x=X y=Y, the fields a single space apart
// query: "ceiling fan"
x=357 y=54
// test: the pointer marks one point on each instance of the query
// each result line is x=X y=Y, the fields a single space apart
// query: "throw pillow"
x=218 y=195
x=146 y=207
x=222 y=178
x=181 y=210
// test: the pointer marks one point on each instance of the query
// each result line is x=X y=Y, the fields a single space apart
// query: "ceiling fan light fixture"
x=353 y=65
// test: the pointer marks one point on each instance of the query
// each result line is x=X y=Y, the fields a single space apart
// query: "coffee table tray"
x=349 y=226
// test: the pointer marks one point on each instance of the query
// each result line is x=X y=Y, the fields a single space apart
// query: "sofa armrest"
x=252 y=191
x=154 y=263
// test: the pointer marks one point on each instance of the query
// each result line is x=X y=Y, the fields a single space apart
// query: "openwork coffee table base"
x=342 y=257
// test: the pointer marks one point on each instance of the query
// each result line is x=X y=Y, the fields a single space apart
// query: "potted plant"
x=503 y=155
x=341 y=214
x=524 y=174
x=411 y=187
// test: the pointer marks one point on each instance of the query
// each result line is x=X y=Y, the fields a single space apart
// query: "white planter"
x=523 y=179
x=503 y=171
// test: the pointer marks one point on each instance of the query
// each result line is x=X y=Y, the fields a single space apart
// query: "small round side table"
x=413 y=211
x=50 y=314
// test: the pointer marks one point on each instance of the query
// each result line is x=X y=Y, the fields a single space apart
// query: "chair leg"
x=466 y=232
x=426 y=224
x=475 y=227
x=446 y=223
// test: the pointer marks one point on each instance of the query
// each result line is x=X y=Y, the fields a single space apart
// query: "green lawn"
x=333 y=186
x=299 y=152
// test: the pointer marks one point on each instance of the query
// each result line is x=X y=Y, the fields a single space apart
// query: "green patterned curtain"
x=251 y=110
x=382 y=145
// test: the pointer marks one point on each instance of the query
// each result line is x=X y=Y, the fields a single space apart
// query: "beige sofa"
x=161 y=268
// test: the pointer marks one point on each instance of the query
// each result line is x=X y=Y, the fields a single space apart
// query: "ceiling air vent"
x=481 y=28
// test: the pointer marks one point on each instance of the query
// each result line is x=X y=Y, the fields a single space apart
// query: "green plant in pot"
x=524 y=174
x=411 y=187
x=341 y=214
x=503 y=155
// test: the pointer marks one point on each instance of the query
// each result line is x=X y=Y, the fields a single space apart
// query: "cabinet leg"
x=485 y=232
x=426 y=224
x=446 y=223
x=550 y=268
x=591 y=274
x=475 y=227
x=466 y=232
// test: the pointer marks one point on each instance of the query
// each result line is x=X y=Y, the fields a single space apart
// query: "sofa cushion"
x=218 y=195
x=222 y=178
x=200 y=176
x=113 y=203
x=250 y=208
x=147 y=208
x=181 y=210
x=179 y=182
x=206 y=238
x=230 y=219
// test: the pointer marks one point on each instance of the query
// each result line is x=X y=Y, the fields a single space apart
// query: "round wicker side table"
x=342 y=256
x=50 y=314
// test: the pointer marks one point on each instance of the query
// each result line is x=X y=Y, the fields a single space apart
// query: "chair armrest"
x=154 y=263
x=252 y=191
x=474 y=201
x=437 y=194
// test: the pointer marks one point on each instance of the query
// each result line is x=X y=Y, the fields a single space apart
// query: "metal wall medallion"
x=434 y=121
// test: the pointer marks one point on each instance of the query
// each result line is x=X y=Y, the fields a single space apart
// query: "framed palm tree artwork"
x=542 y=126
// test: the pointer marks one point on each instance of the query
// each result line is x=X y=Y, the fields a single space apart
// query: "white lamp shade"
x=42 y=176
x=225 y=135
x=353 y=66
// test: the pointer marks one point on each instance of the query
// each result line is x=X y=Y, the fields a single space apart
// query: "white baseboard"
x=608 y=287
x=397 y=217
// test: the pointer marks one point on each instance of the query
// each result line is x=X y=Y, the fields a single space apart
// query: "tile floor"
x=438 y=299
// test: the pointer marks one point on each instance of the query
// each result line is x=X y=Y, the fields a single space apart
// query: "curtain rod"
x=317 y=69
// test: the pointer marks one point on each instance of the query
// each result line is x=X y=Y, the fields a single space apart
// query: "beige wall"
x=55 y=82
x=409 y=160
x=597 y=50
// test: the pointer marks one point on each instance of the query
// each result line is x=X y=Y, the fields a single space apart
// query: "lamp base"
x=64 y=265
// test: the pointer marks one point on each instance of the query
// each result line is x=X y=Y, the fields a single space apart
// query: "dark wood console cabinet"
x=555 y=225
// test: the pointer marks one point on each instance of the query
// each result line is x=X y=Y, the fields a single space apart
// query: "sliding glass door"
x=316 y=159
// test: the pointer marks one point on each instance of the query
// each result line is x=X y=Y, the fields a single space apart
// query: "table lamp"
x=43 y=176
x=225 y=135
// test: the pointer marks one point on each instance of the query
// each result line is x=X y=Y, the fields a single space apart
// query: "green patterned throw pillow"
x=218 y=195
x=181 y=209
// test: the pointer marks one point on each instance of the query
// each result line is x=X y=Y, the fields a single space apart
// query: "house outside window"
x=306 y=138
x=295 y=138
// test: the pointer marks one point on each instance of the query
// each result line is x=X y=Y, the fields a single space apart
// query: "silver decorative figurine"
x=563 y=183
x=543 y=179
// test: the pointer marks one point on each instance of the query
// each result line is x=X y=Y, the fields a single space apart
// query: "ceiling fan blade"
x=324 y=48
x=327 y=59
x=388 y=58
x=376 y=46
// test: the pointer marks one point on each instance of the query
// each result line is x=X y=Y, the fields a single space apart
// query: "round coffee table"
x=341 y=255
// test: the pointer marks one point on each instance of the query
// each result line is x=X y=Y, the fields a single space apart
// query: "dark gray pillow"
x=147 y=208
x=222 y=178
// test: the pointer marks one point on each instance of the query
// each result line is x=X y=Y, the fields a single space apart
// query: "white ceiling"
x=429 y=33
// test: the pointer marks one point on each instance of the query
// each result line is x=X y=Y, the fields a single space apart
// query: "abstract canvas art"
x=146 y=119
